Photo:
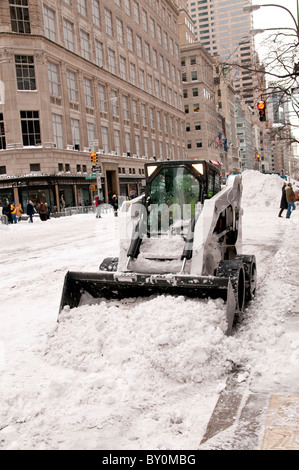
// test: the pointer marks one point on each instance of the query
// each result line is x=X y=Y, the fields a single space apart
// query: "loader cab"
x=175 y=192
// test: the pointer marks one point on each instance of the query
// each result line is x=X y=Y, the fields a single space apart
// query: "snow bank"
x=261 y=190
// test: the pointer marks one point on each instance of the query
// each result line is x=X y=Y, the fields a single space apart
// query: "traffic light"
x=93 y=157
x=258 y=157
x=261 y=106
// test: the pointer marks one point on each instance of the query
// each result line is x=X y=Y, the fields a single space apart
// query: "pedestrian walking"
x=283 y=201
x=13 y=212
x=290 y=195
x=114 y=203
x=98 y=207
x=43 y=211
x=19 y=212
x=30 y=211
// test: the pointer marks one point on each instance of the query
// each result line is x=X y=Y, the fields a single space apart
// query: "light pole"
x=250 y=8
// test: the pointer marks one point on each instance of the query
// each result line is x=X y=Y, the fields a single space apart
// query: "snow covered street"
x=144 y=374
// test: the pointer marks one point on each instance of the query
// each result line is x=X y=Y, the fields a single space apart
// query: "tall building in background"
x=223 y=28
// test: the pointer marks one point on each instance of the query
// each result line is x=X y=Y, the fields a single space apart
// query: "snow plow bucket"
x=125 y=285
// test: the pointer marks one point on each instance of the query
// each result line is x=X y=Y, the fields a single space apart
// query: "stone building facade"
x=86 y=75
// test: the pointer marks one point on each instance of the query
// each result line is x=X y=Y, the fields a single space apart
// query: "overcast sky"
x=273 y=17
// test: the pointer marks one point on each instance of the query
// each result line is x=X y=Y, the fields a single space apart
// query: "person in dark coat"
x=283 y=201
x=43 y=211
x=114 y=203
x=30 y=210
x=6 y=211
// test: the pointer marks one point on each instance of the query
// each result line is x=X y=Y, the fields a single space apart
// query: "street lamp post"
x=250 y=8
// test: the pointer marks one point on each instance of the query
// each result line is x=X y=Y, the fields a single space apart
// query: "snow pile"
x=260 y=190
x=148 y=337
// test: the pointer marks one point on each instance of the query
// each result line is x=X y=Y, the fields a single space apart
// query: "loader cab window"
x=214 y=184
x=175 y=196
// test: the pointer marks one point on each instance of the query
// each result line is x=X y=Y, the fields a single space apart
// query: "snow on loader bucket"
x=190 y=251
x=120 y=286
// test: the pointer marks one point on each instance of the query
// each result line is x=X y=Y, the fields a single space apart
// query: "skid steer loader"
x=181 y=237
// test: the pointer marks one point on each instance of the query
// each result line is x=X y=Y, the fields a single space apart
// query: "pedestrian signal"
x=261 y=106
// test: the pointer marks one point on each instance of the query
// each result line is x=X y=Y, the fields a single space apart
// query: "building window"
x=136 y=12
x=34 y=167
x=133 y=73
x=88 y=92
x=2 y=133
x=50 y=27
x=68 y=33
x=72 y=87
x=25 y=72
x=189 y=145
x=57 y=130
x=105 y=145
x=135 y=111
x=95 y=7
x=188 y=127
x=117 y=141
x=19 y=15
x=127 y=7
x=102 y=98
x=114 y=103
x=30 y=128
x=82 y=7
x=84 y=44
x=139 y=46
x=120 y=31
x=128 y=143
x=194 y=75
x=186 y=108
x=198 y=143
x=123 y=68
x=108 y=22
x=111 y=61
x=54 y=82
x=194 y=91
x=141 y=79
x=196 y=108
x=99 y=53
x=144 y=116
x=91 y=132
x=144 y=20
x=130 y=39
x=197 y=126
x=2 y=170
x=125 y=107
x=75 y=125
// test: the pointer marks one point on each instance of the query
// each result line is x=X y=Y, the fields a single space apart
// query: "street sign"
x=91 y=177
x=95 y=168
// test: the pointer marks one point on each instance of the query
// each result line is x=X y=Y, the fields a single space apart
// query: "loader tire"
x=234 y=269
x=249 y=262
